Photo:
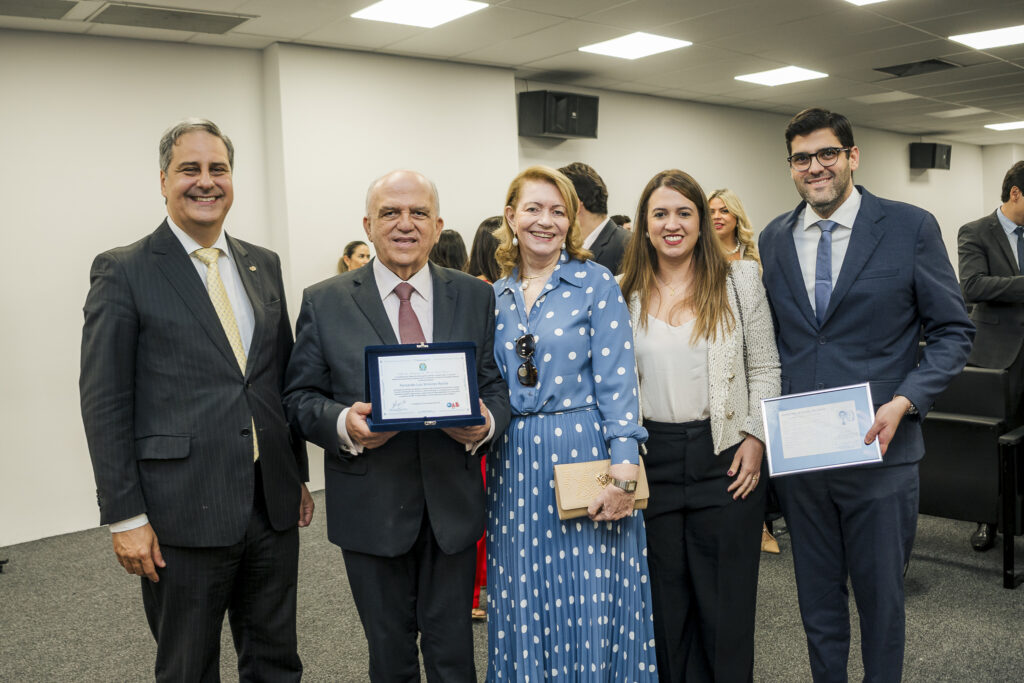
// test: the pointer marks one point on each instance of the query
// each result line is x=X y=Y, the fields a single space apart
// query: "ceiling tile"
x=360 y=33
x=561 y=38
x=563 y=8
x=474 y=32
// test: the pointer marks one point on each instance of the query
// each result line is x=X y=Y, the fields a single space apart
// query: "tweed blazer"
x=743 y=363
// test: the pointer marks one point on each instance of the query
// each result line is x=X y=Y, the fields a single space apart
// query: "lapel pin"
x=252 y=268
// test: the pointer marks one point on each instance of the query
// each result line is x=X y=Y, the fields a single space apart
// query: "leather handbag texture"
x=577 y=484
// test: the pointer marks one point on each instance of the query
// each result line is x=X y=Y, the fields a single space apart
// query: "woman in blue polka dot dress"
x=568 y=600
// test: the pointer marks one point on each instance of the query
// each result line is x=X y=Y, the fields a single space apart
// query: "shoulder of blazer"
x=978 y=225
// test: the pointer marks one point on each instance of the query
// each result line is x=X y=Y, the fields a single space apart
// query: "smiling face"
x=402 y=222
x=673 y=225
x=722 y=220
x=197 y=185
x=540 y=220
x=825 y=189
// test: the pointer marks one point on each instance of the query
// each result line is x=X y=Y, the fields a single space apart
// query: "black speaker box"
x=929 y=155
x=550 y=114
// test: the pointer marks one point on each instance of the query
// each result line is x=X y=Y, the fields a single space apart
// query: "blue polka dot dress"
x=567 y=600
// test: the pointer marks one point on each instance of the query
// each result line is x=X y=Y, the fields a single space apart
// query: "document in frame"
x=819 y=430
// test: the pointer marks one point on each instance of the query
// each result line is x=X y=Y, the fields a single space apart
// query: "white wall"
x=997 y=160
x=81 y=117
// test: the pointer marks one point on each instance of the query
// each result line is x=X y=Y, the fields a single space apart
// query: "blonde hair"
x=708 y=297
x=744 y=231
x=507 y=253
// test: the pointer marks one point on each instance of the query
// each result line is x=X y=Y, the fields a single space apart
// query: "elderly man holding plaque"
x=406 y=507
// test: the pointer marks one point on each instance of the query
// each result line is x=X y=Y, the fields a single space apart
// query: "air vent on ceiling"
x=36 y=9
x=927 y=66
x=173 y=19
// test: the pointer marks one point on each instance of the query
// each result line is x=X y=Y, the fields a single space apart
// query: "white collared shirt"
x=1008 y=227
x=592 y=237
x=421 y=298
x=806 y=235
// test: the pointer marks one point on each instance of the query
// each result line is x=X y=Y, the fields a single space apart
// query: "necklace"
x=669 y=287
x=527 y=280
x=734 y=249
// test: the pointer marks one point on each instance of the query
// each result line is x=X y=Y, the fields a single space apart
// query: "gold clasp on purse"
x=603 y=478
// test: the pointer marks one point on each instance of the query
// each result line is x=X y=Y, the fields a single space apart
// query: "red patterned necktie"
x=409 y=330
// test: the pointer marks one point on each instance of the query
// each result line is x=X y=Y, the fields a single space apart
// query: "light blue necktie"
x=823 y=270
x=1020 y=248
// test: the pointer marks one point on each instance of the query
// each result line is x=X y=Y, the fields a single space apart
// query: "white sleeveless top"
x=673 y=374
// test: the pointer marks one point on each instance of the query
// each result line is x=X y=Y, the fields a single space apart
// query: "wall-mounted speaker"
x=929 y=155
x=550 y=114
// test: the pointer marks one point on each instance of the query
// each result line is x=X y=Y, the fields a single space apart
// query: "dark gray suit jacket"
x=376 y=500
x=991 y=280
x=610 y=246
x=167 y=410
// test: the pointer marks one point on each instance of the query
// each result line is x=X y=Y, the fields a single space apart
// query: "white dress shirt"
x=240 y=306
x=589 y=240
x=806 y=235
x=673 y=372
x=1009 y=227
x=421 y=300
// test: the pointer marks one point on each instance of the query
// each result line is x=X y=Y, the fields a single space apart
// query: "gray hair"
x=190 y=125
x=378 y=181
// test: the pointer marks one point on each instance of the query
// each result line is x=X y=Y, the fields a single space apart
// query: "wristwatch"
x=627 y=485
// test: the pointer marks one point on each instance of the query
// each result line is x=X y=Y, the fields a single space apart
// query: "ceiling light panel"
x=1013 y=125
x=861 y=3
x=1000 y=37
x=957 y=113
x=884 y=97
x=635 y=46
x=787 y=74
x=422 y=13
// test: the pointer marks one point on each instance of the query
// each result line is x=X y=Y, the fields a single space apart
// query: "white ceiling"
x=538 y=39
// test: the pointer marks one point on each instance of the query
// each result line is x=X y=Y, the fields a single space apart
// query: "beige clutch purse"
x=577 y=484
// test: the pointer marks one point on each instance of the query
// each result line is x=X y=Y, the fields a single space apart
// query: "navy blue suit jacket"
x=895 y=286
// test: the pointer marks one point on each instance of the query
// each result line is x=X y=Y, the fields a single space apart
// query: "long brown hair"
x=744 y=231
x=707 y=297
x=507 y=254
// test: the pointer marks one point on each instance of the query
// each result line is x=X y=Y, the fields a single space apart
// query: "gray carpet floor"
x=68 y=612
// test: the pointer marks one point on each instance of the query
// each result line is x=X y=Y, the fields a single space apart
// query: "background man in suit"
x=991 y=260
x=184 y=348
x=406 y=508
x=601 y=235
x=851 y=279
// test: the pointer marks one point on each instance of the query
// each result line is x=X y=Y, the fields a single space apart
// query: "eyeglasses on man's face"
x=527 y=372
x=826 y=156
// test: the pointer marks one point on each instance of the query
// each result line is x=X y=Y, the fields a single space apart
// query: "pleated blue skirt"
x=566 y=600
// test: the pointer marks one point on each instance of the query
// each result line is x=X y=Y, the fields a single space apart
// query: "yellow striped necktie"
x=219 y=297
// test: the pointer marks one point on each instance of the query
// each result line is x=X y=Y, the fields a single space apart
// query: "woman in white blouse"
x=706 y=354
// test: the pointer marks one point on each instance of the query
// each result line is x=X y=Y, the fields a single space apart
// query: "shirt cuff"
x=130 y=523
x=474 y=447
x=344 y=441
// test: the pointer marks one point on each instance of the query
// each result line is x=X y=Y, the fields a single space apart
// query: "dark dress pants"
x=856 y=522
x=424 y=592
x=253 y=580
x=703 y=549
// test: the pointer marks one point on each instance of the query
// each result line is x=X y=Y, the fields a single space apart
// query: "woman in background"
x=732 y=227
x=482 y=263
x=566 y=600
x=356 y=255
x=449 y=251
x=705 y=349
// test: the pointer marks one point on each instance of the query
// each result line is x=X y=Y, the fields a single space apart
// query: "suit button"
x=728 y=415
x=819 y=385
x=248 y=385
x=822 y=339
x=246 y=432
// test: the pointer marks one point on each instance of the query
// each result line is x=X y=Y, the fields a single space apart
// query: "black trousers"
x=424 y=592
x=703 y=549
x=254 y=581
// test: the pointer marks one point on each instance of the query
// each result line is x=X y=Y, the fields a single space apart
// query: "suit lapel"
x=601 y=243
x=446 y=297
x=791 y=267
x=367 y=298
x=866 y=234
x=251 y=279
x=177 y=267
x=998 y=235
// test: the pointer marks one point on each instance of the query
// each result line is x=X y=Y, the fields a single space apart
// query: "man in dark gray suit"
x=184 y=348
x=601 y=235
x=406 y=508
x=991 y=253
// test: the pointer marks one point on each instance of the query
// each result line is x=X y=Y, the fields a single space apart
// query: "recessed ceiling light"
x=423 y=13
x=957 y=113
x=1000 y=37
x=635 y=46
x=884 y=97
x=1013 y=125
x=860 y=3
x=787 y=74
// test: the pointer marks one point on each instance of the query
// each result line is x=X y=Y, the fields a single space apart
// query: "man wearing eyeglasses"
x=406 y=508
x=852 y=280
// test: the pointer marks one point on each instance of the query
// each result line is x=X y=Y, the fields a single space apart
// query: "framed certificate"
x=819 y=430
x=422 y=386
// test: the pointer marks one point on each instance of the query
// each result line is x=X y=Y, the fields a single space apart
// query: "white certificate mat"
x=423 y=385
x=819 y=430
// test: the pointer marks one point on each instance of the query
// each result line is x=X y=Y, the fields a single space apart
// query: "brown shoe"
x=768 y=542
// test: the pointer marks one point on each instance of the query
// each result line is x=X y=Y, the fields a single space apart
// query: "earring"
x=515 y=241
x=563 y=244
